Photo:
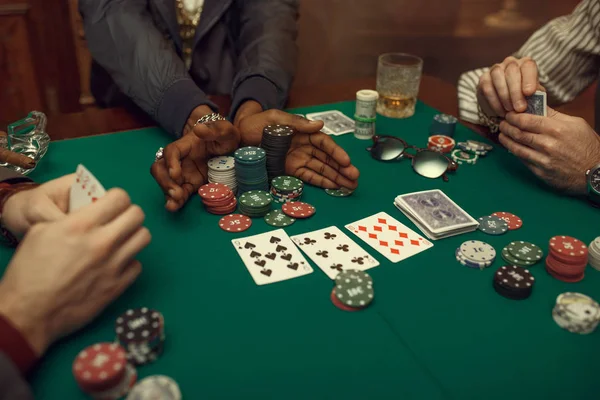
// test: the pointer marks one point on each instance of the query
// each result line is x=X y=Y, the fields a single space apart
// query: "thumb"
x=300 y=124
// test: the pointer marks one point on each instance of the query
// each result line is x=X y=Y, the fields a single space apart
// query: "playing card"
x=333 y=251
x=389 y=237
x=436 y=212
x=336 y=123
x=537 y=104
x=271 y=257
x=85 y=190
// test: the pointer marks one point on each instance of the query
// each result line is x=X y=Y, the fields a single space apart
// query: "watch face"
x=595 y=180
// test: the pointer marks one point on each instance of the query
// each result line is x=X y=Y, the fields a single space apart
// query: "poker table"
x=436 y=329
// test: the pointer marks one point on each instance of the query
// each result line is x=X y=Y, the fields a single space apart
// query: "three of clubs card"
x=85 y=190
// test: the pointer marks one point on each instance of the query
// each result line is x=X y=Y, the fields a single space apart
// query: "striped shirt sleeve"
x=567 y=52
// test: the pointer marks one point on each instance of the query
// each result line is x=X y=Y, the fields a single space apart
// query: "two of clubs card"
x=85 y=190
x=273 y=256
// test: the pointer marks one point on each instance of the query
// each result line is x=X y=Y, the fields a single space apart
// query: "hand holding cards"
x=85 y=190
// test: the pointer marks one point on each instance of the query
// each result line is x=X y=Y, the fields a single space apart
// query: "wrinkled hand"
x=46 y=203
x=558 y=149
x=313 y=156
x=65 y=272
x=183 y=168
x=503 y=88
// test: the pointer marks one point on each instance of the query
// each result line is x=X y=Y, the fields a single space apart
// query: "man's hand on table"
x=65 y=272
x=45 y=203
x=183 y=168
x=558 y=149
x=313 y=157
x=503 y=88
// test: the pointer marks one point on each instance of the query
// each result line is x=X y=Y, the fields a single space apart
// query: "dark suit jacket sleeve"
x=145 y=66
x=12 y=384
x=267 y=52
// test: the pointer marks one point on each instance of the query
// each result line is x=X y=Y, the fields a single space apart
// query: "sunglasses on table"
x=425 y=162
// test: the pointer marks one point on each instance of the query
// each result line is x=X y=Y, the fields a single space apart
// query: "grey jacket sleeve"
x=123 y=39
x=12 y=384
x=267 y=52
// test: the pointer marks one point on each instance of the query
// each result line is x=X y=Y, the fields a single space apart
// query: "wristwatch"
x=593 y=185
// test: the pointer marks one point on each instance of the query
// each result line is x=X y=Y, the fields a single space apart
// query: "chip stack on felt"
x=522 y=254
x=576 y=312
x=286 y=188
x=103 y=372
x=567 y=258
x=255 y=203
x=141 y=333
x=276 y=141
x=475 y=254
x=251 y=169
x=443 y=124
x=479 y=149
x=594 y=254
x=513 y=282
x=222 y=170
x=441 y=143
x=353 y=290
x=218 y=198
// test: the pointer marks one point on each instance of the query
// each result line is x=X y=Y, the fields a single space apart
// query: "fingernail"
x=171 y=192
x=521 y=104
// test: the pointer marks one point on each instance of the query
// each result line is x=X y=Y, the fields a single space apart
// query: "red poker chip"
x=298 y=209
x=336 y=302
x=568 y=248
x=565 y=269
x=235 y=223
x=512 y=220
x=214 y=191
x=568 y=279
x=100 y=367
x=223 y=200
x=441 y=141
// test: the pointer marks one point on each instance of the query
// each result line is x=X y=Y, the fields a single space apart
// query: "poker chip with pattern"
x=469 y=263
x=155 y=387
x=298 y=209
x=353 y=289
x=512 y=220
x=276 y=141
x=441 y=143
x=286 y=188
x=235 y=223
x=255 y=203
x=576 y=313
x=567 y=259
x=443 y=124
x=341 y=192
x=218 y=198
x=594 y=254
x=492 y=225
x=279 y=219
x=513 y=282
x=141 y=333
x=477 y=251
x=222 y=170
x=251 y=169
x=525 y=251
x=463 y=157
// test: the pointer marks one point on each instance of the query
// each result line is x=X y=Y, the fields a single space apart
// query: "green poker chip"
x=525 y=251
x=255 y=199
x=463 y=157
x=341 y=192
x=249 y=154
x=278 y=218
x=509 y=258
x=354 y=288
x=287 y=183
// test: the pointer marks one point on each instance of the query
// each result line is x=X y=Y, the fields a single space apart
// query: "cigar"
x=16 y=159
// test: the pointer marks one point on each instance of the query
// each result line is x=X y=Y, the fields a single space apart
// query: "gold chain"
x=188 y=22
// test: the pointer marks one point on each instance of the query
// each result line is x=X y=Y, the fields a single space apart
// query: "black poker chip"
x=139 y=325
x=513 y=282
x=276 y=142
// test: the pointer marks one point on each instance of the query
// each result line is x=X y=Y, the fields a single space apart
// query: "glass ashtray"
x=27 y=136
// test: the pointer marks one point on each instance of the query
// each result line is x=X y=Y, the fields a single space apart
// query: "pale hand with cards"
x=85 y=190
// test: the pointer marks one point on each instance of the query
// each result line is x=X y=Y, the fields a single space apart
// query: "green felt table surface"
x=436 y=330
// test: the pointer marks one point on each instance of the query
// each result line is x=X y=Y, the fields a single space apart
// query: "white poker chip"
x=477 y=251
x=155 y=387
x=223 y=163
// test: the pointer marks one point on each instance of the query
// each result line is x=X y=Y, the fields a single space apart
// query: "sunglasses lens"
x=430 y=164
x=387 y=150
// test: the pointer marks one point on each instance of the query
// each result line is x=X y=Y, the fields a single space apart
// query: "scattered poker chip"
x=512 y=220
x=298 y=209
x=492 y=225
x=100 y=367
x=576 y=312
x=341 y=192
x=278 y=218
x=525 y=251
x=462 y=157
x=155 y=387
x=477 y=251
x=336 y=302
x=141 y=333
x=235 y=223
x=512 y=260
x=513 y=282
x=354 y=288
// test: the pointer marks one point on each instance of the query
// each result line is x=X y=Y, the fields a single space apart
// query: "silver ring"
x=214 y=117
x=159 y=154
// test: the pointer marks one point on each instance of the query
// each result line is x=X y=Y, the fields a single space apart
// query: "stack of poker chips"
x=255 y=203
x=441 y=143
x=594 y=254
x=475 y=254
x=576 y=313
x=353 y=290
x=522 y=254
x=513 y=282
x=286 y=188
x=155 y=387
x=218 y=198
x=103 y=372
x=276 y=141
x=492 y=225
x=222 y=170
x=464 y=157
x=365 y=115
x=443 y=124
x=251 y=169
x=567 y=258
x=141 y=332
x=479 y=149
